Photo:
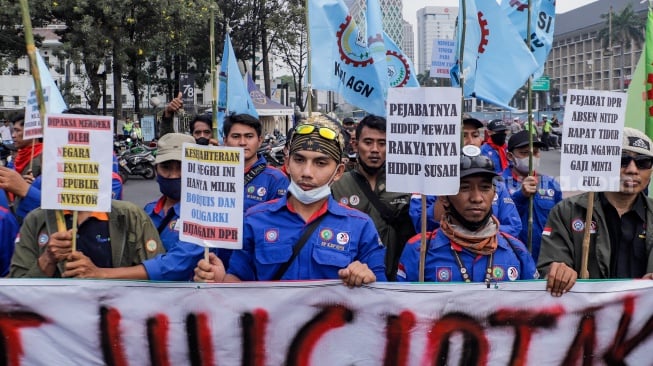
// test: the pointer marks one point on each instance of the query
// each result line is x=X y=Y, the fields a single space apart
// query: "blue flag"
x=542 y=23
x=376 y=43
x=341 y=60
x=400 y=68
x=496 y=60
x=233 y=97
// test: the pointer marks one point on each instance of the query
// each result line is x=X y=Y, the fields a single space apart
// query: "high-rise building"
x=433 y=22
x=391 y=12
x=408 y=44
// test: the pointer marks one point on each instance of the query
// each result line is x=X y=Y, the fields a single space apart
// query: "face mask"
x=170 y=187
x=522 y=164
x=314 y=195
x=498 y=139
x=202 y=141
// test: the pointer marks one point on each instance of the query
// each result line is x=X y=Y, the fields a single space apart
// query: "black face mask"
x=498 y=139
x=202 y=141
x=473 y=226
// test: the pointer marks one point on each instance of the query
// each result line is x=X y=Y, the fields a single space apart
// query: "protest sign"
x=32 y=128
x=423 y=140
x=591 y=140
x=187 y=88
x=148 y=128
x=443 y=57
x=78 y=151
x=212 y=180
x=323 y=323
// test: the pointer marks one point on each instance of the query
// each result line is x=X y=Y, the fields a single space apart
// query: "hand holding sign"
x=210 y=271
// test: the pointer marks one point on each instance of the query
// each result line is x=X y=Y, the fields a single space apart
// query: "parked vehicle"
x=140 y=163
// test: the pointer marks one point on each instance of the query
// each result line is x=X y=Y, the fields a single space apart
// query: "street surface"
x=142 y=191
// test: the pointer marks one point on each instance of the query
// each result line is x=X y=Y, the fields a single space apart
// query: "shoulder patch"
x=151 y=245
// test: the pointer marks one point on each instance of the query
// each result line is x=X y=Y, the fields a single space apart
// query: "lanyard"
x=465 y=274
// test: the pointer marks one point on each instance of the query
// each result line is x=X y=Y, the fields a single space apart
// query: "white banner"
x=212 y=192
x=78 y=164
x=32 y=128
x=423 y=140
x=80 y=322
x=443 y=57
x=591 y=140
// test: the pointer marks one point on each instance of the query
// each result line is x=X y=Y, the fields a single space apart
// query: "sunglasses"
x=642 y=162
x=325 y=132
x=479 y=161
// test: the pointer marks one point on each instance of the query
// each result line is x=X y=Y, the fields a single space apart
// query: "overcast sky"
x=411 y=7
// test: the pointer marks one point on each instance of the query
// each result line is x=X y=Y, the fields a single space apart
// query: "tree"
x=292 y=51
x=12 y=37
x=622 y=28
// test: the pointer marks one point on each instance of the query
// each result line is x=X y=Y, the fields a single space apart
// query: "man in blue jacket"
x=340 y=242
x=469 y=245
x=545 y=190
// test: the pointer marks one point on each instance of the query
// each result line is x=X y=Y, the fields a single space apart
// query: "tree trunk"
x=117 y=84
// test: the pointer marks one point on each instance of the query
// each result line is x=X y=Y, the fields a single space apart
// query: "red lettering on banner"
x=301 y=348
x=585 y=340
x=110 y=337
x=254 y=330
x=200 y=350
x=398 y=331
x=620 y=348
x=475 y=346
x=525 y=323
x=157 y=336
x=11 y=347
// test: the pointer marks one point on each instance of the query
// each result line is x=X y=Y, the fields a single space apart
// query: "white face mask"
x=315 y=194
x=522 y=164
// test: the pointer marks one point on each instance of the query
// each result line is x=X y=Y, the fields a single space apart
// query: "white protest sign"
x=591 y=140
x=212 y=191
x=78 y=164
x=423 y=140
x=442 y=57
x=32 y=128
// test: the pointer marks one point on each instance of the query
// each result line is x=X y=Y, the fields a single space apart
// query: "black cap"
x=348 y=121
x=472 y=162
x=473 y=121
x=520 y=139
x=496 y=125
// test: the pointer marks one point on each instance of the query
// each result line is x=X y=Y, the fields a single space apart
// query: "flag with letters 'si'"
x=648 y=128
x=376 y=42
x=233 y=97
x=341 y=60
x=496 y=61
x=543 y=15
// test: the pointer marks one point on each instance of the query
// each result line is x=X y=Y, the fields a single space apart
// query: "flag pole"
x=31 y=53
x=531 y=127
x=309 y=100
x=214 y=101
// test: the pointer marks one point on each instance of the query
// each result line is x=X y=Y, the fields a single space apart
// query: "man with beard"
x=363 y=188
x=495 y=148
x=621 y=241
x=469 y=245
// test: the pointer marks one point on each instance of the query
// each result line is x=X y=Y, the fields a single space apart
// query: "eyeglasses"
x=479 y=161
x=326 y=132
x=642 y=162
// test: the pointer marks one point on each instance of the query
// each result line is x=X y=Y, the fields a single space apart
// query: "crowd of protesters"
x=327 y=215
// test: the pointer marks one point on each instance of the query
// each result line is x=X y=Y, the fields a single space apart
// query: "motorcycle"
x=141 y=163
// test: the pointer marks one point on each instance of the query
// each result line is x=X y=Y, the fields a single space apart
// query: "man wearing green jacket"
x=124 y=237
x=363 y=188
x=620 y=244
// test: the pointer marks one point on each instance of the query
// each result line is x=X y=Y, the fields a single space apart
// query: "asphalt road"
x=142 y=191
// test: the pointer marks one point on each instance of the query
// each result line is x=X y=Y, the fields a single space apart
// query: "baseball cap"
x=169 y=146
x=496 y=125
x=348 y=121
x=473 y=121
x=520 y=139
x=636 y=141
x=473 y=163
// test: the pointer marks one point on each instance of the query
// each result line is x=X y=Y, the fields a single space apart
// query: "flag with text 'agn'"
x=341 y=60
